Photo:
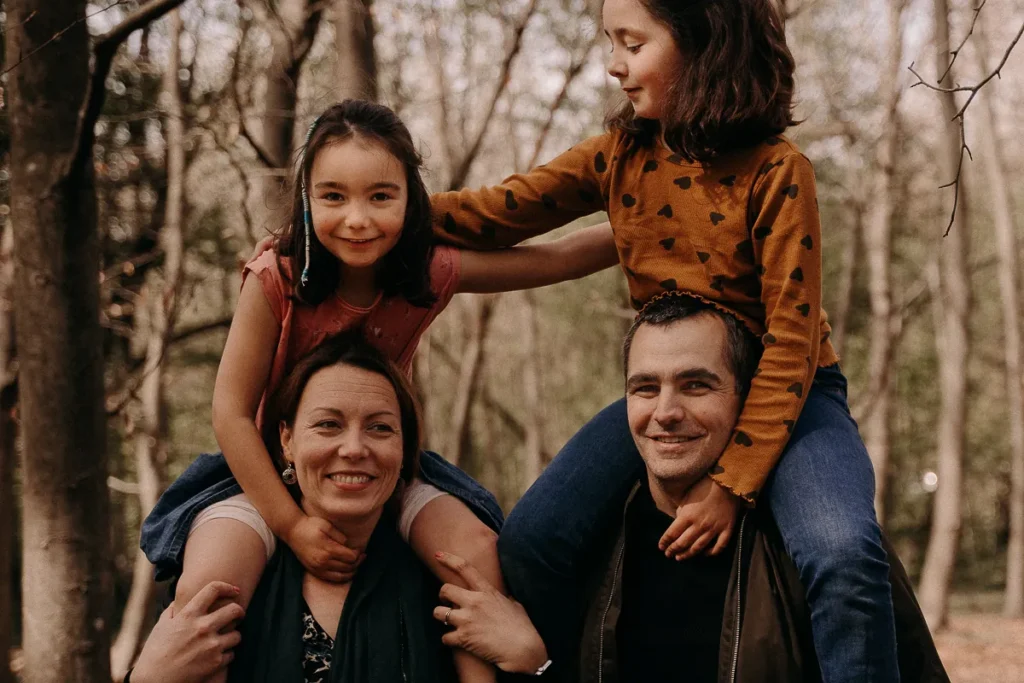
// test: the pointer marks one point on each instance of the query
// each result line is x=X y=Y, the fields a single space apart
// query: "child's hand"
x=705 y=518
x=321 y=549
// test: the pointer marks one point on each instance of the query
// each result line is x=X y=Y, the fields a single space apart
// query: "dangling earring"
x=288 y=476
x=307 y=216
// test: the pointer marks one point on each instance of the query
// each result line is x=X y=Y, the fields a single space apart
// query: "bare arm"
x=241 y=380
x=576 y=255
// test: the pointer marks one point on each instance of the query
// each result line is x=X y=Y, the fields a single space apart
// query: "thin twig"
x=959 y=116
x=956 y=51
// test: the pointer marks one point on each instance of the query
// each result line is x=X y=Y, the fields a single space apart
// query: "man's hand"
x=193 y=644
x=705 y=519
x=486 y=623
x=321 y=549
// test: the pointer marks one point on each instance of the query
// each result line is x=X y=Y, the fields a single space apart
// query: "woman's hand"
x=486 y=623
x=704 y=519
x=321 y=549
x=193 y=644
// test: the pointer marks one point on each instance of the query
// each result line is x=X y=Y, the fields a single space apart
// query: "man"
x=738 y=614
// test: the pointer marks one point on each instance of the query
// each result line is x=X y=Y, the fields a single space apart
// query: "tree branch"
x=959 y=117
x=104 y=50
x=462 y=169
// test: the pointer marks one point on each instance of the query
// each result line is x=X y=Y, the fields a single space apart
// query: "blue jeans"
x=209 y=480
x=821 y=494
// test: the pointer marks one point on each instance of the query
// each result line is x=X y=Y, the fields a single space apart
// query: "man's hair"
x=742 y=352
x=735 y=86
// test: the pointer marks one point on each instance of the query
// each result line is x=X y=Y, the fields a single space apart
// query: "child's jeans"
x=208 y=480
x=821 y=494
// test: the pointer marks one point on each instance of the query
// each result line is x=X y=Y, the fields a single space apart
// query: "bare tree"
x=840 y=313
x=354 y=32
x=878 y=249
x=951 y=306
x=1009 y=287
x=481 y=309
x=8 y=387
x=533 y=458
x=66 y=579
x=160 y=295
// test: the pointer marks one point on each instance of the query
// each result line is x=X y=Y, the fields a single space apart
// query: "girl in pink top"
x=360 y=241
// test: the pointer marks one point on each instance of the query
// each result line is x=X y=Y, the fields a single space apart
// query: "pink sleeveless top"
x=391 y=324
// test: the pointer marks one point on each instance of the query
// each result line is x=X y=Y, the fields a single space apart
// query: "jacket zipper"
x=604 y=617
x=739 y=602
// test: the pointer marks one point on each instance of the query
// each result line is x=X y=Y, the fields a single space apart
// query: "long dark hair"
x=347 y=348
x=735 y=87
x=405 y=270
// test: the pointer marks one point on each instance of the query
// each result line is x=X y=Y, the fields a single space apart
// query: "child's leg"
x=228 y=542
x=822 y=496
x=553 y=532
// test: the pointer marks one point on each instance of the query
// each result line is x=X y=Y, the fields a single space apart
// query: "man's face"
x=681 y=398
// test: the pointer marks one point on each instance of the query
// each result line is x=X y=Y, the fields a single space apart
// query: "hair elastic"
x=307 y=215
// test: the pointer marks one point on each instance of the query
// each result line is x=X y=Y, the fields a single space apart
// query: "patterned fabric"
x=393 y=325
x=317 y=647
x=741 y=232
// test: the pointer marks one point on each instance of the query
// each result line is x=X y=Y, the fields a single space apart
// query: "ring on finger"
x=446 y=615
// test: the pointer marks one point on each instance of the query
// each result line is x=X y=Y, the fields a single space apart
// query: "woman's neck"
x=358 y=286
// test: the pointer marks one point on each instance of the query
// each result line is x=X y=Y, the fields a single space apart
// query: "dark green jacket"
x=386 y=634
x=766 y=627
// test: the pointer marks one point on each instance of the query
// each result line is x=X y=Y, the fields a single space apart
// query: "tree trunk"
x=952 y=342
x=357 y=62
x=533 y=461
x=840 y=314
x=8 y=389
x=66 y=585
x=878 y=250
x=469 y=376
x=1009 y=284
x=292 y=29
x=160 y=296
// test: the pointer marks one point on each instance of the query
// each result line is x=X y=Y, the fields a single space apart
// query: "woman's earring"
x=288 y=476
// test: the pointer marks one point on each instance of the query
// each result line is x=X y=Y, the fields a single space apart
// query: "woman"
x=345 y=434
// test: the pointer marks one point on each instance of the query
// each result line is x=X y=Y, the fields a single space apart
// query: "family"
x=716 y=524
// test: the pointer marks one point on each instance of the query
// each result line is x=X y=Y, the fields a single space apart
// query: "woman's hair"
x=735 y=87
x=405 y=270
x=347 y=348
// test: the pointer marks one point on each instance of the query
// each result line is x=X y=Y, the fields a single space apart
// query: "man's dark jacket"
x=766 y=626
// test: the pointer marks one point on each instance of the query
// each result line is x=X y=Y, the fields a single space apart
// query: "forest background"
x=196 y=122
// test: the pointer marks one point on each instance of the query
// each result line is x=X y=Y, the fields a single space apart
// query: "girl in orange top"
x=705 y=197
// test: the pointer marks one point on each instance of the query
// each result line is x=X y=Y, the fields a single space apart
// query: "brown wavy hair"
x=735 y=88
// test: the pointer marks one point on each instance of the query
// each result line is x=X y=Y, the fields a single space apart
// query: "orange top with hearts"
x=741 y=232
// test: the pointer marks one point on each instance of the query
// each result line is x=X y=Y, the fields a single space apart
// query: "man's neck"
x=667 y=494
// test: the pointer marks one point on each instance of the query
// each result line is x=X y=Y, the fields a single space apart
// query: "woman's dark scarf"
x=386 y=633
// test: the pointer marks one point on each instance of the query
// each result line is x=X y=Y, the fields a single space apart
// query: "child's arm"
x=241 y=379
x=446 y=525
x=524 y=205
x=576 y=255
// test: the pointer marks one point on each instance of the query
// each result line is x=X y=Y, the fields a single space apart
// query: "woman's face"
x=345 y=444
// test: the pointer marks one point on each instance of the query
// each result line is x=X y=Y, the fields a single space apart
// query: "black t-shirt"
x=671 y=620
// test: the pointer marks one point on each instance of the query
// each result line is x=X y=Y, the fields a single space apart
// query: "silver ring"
x=446 y=615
